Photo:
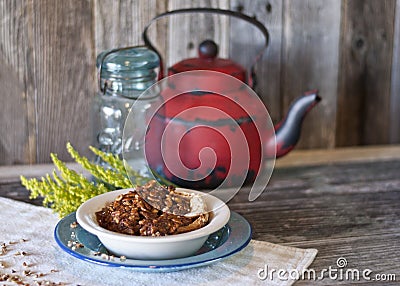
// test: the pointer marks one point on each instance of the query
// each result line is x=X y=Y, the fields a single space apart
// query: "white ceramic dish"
x=142 y=247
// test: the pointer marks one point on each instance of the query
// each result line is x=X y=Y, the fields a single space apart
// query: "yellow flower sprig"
x=66 y=190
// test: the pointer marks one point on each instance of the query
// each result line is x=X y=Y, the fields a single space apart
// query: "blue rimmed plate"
x=227 y=241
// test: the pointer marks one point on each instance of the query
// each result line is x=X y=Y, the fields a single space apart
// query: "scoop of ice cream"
x=197 y=205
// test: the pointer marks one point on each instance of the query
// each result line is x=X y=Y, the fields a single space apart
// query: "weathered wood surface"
x=297 y=158
x=345 y=210
x=268 y=68
x=365 y=73
x=63 y=79
x=339 y=155
x=121 y=23
x=17 y=116
x=46 y=51
x=310 y=61
x=194 y=28
x=347 y=49
x=395 y=82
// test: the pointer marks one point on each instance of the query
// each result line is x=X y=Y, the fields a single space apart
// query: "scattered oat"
x=3 y=249
x=4 y=277
x=79 y=245
x=16 y=278
x=23 y=275
x=122 y=258
x=74 y=224
x=76 y=245
x=20 y=253
x=37 y=275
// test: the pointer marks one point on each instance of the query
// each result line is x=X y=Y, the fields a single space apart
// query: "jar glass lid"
x=128 y=59
x=127 y=71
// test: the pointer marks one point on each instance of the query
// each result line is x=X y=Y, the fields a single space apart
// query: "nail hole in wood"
x=268 y=7
x=240 y=8
x=359 y=43
x=190 y=45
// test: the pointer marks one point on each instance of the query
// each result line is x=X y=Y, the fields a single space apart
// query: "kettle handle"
x=251 y=20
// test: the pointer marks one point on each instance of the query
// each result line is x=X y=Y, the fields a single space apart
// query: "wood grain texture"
x=310 y=61
x=347 y=209
x=349 y=50
x=121 y=23
x=366 y=55
x=64 y=59
x=343 y=210
x=186 y=32
x=268 y=68
x=339 y=155
x=297 y=158
x=17 y=79
x=395 y=81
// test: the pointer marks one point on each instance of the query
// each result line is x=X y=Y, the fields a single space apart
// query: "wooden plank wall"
x=364 y=93
x=349 y=50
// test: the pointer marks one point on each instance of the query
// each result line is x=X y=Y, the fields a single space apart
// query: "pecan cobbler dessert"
x=154 y=210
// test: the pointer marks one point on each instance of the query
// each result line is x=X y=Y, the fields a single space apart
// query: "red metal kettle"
x=210 y=111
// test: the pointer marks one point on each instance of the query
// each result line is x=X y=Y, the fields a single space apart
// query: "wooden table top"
x=343 y=202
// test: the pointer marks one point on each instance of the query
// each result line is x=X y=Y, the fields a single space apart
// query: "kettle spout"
x=288 y=130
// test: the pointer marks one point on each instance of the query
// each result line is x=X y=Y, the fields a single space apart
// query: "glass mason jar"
x=124 y=74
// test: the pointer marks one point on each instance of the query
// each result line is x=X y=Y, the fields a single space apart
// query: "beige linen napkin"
x=32 y=254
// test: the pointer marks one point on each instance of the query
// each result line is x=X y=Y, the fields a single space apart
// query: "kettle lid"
x=208 y=60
